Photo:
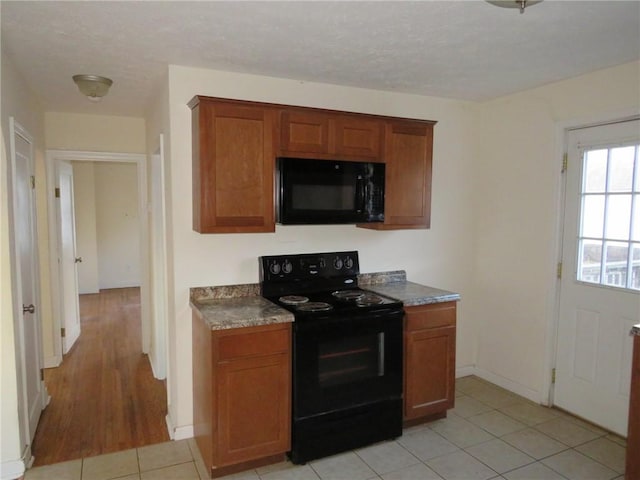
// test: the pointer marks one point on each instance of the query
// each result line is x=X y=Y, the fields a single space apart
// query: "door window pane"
x=615 y=272
x=635 y=267
x=635 y=234
x=590 y=258
x=610 y=218
x=618 y=217
x=593 y=216
x=621 y=169
x=595 y=171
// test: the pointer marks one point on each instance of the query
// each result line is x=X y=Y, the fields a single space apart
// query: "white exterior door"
x=67 y=257
x=600 y=285
x=26 y=268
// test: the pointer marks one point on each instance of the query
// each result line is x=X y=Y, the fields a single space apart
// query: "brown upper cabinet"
x=322 y=134
x=233 y=166
x=235 y=144
x=408 y=158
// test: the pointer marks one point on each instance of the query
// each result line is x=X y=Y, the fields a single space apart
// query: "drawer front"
x=431 y=316
x=252 y=341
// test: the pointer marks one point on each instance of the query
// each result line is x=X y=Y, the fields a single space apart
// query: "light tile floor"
x=490 y=434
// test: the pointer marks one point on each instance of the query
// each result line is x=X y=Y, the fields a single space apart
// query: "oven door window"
x=352 y=359
x=346 y=363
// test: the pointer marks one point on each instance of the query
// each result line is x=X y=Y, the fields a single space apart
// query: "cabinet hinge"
x=553 y=375
x=63 y=332
x=559 y=270
x=565 y=162
x=42 y=374
x=33 y=182
x=57 y=192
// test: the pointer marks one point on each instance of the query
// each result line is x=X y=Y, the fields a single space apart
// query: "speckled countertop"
x=395 y=285
x=233 y=306
x=635 y=330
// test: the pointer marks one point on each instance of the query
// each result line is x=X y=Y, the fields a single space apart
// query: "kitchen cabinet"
x=241 y=395
x=233 y=165
x=430 y=343
x=311 y=133
x=408 y=157
x=235 y=144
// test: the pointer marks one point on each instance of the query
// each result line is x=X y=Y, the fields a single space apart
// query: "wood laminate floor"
x=104 y=397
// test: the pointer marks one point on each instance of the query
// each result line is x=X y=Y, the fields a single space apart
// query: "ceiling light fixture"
x=93 y=86
x=521 y=4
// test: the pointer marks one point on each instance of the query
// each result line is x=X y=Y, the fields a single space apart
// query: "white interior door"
x=27 y=301
x=600 y=285
x=68 y=258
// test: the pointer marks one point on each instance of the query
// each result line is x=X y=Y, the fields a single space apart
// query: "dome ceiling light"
x=521 y=4
x=93 y=86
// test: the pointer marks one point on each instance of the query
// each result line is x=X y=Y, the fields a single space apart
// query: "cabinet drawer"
x=252 y=341
x=431 y=316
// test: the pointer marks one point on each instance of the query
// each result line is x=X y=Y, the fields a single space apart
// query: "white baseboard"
x=465 y=371
x=52 y=362
x=178 y=433
x=11 y=470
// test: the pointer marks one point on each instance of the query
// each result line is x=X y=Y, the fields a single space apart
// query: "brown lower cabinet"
x=241 y=395
x=430 y=361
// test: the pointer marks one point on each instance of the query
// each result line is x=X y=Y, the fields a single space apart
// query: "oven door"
x=343 y=362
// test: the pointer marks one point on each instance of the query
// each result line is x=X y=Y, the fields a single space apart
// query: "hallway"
x=104 y=397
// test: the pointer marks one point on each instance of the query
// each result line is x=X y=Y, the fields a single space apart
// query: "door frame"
x=158 y=246
x=26 y=435
x=553 y=305
x=140 y=160
x=59 y=234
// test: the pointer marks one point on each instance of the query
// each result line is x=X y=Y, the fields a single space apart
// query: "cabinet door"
x=430 y=359
x=304 y=132
x=233 y=164
x=253 y=397
x=357 y=137
x=408 y=154
x=430 y=371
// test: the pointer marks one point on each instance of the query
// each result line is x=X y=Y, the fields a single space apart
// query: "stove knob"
x=348 y=262
x=274 y=268
x=287 y=267
x=337 y=263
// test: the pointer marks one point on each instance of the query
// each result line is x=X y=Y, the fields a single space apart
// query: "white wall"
x=92 y=133
x=441 y=256
x=18 y=102
x=516 y=188
x=86 y=234
x=117 y=225
x=107 y=228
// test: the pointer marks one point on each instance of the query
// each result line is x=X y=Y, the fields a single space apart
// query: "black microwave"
x=311 y=192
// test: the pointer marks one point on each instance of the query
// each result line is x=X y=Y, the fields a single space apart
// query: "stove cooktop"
x=337 y=301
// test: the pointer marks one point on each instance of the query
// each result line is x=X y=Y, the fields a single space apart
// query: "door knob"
x=78 y=259
x=30 y=309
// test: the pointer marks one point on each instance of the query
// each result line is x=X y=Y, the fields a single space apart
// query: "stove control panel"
x=308 y=265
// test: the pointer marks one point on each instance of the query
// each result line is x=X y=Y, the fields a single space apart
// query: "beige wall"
x=441 y=256
x=18 y=102
x=117 y=224
x=517 y=192
x=94 y=133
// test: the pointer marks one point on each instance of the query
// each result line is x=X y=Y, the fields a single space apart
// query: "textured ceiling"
x=458 y=49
